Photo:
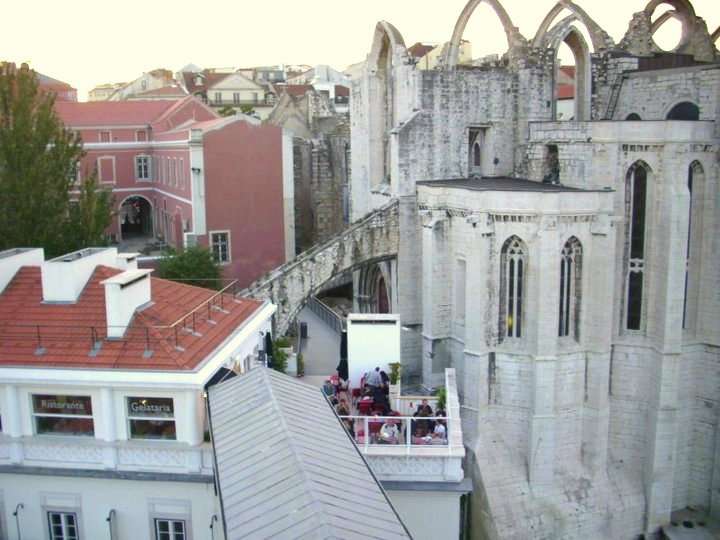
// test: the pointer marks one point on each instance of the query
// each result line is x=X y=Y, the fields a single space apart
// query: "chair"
x=356 y=393
x=374 y=427
x=364 y=407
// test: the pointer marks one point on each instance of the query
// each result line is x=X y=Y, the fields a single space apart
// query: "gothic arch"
x=386 y=41
x=566 y=32
x=514 y=38
x=715 y=35
x=683 y=11
x=600 y=39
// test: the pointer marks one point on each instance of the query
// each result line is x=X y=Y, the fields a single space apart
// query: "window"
x=106 y=169
x=105 y=136
x=63 y=526
x=218 y=98
x=181 y=172
x=570 y=268
x=141 y=136
x=170 y=529
x=142 y=167
x=635 y=202
x=255 y=97
x=236 y=98
x=74 y=173
x=684 y=111
x=513 y=267
x=220 y=246
x=173 y=172
x=476 y=139
x=696 y=188
x=151 y=418
x=63 y=415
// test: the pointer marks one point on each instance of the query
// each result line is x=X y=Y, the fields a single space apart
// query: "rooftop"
x=500 y=183
x=286 y=468
x=129 y=113
x=177 y=330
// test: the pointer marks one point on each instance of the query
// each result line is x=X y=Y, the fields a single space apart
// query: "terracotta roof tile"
x=93 y=113
x=67 y=331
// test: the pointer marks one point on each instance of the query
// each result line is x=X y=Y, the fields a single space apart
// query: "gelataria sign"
x=150 y=407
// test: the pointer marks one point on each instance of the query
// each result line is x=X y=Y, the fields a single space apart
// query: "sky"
x=89 y=42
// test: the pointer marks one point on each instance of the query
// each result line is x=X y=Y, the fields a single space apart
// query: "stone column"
x=11 y=422
x=666 y=275
x=107 y=413
x=541 y=317
x=436 y=301
x=598 y=277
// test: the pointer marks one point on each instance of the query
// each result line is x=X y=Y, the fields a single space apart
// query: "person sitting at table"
x=385 y=379
x=328 y=388
x=424 y=407
x=439 y=431
x=389 y=432
x=380 y=400
x=342 y=408
x=421 y=427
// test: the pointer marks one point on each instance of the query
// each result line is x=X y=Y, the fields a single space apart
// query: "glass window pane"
x=150 y=407
x=635 y=283
x=637 y=240
x=66 y=405
x=64 y=426
x=152 y=429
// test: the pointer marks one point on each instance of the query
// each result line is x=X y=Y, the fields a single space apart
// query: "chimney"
x=124 y=294
x=65 y=277
x=127 y=261
x=11 y=260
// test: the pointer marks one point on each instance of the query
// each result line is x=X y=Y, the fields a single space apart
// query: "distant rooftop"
x=501 y=183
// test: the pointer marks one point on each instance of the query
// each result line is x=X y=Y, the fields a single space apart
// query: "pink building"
x=182 y=175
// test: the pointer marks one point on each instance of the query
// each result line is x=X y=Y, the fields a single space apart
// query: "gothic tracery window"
x=570 y=275
x=635 y=203
x=513 y=268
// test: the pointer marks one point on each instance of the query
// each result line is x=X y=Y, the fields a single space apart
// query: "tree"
x=38 y=163
x=194 y=265
x=227 y=110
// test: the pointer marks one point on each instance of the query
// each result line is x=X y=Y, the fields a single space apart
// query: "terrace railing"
x=410 y=432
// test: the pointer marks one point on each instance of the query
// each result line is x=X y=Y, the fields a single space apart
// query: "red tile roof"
x=420 y=49
x=341 y=90
x=171 y=91
x=296 y=90
x=210 y=78
x=127 y=113
x=565 y=91
x=568 y=70
x=66 y=330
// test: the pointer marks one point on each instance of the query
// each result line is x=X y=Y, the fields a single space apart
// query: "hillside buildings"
x=182 y=176
x=565 y=269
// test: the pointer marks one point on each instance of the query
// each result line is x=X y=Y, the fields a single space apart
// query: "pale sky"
x=88 y=42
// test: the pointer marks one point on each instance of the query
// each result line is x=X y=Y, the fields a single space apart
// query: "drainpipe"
x=111 y=522
x=20 y=506
x=213 y=521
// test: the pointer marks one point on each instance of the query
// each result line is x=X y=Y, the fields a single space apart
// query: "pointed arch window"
x=570 y=276
x=635 y=204
x=696 y=186
x=513 y=269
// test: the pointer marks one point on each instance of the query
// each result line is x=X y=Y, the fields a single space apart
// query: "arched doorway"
x=684 y=111
x=136 y=218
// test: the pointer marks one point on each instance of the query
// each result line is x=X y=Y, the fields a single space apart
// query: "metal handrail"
x=111 y=521
x=327 y=315
x=18 y=507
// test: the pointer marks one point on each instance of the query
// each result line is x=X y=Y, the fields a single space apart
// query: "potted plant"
x=300 y=365
x=394 y=389
x=441 y=399
x=280 y=354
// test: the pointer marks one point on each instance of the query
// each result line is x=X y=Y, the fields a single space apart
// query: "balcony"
x=161 y=457
x=403 y=447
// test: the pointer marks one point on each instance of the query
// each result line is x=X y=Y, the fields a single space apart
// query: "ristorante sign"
x=49 y=404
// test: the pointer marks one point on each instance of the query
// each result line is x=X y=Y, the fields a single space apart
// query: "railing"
x=43 y=335
x=397 y=431
x=407 y=405
x=327 y=315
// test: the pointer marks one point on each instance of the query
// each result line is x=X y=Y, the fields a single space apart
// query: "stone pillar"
x=193 y=417
x=666 y=275
x=541 y=317
x=436 y=301
x=598 y=277
x=11 y=422
x=107 y=410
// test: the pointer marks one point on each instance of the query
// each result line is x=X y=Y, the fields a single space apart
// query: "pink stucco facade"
x=195 y=172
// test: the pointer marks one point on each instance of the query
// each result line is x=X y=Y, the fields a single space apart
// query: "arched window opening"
x=695 y=185
x=570 y=289
x=513 y=268
x=551 y=168
x=684 y=111
x=476 y=141
x=571 y=100
x=382 y=301
x=667 y=29
x=635 y=202
x=633 y=117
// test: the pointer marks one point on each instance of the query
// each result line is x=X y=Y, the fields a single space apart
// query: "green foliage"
x=227 y=110
x=300 y=365
x=38 y=160
x=441 y=395
x=395 y=372
x=247 y=109
x=280 y=357
x=194 y=265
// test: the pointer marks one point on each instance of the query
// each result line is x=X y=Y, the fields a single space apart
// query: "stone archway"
x=600 y=39
x=135 y=218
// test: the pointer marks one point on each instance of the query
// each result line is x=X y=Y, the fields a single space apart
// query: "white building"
x=103 y=371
